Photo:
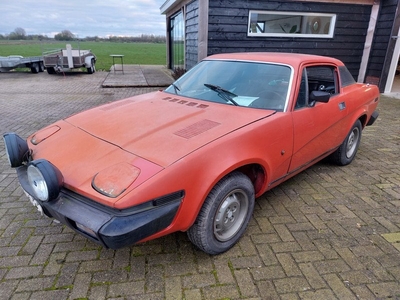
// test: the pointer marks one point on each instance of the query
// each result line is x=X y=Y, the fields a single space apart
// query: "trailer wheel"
x=92 y=68
x=51 y=70
x=35 y=68
x=41 y=67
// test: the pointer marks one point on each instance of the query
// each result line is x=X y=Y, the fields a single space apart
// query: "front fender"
x=197 y=173
x=88 y=61
x=267 y=142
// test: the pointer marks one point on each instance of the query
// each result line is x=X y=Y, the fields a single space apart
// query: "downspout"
x=184 y=36
x=392 y=70
x=390 y=50
x=368 y=41
x=202 y=50
x=168 y=41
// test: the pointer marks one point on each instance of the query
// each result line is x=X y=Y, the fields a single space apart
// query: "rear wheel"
x=224 y=215
x=345 y=154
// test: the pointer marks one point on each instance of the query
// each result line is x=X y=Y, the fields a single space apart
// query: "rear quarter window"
x=346 y=78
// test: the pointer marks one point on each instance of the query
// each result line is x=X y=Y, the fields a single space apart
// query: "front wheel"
x=345 y=154
x=224 y=215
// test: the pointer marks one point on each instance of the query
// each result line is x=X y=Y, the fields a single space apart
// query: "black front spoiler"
x=112 y=228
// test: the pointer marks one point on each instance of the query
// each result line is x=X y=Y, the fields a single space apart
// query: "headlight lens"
x=16 y=149
x=38 y=183
x=45 y=179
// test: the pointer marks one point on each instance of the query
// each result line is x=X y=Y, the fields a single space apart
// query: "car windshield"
x=249 y=84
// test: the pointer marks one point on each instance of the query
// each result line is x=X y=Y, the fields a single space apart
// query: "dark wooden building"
x=361 y=33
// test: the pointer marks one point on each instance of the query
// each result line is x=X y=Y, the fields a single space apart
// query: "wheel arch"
x=363 y=119
x=361 y=115
x=255 y=171
x=88 y=61
x=257 y=175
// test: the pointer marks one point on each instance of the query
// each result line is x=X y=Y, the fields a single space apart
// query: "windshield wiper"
x=176 y=88
x=223 y=93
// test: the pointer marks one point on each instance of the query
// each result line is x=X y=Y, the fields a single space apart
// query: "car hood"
x=163 y=128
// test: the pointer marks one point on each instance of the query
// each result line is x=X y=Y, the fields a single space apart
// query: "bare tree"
x=20 y=31
x=18 y=34
x=64 y=35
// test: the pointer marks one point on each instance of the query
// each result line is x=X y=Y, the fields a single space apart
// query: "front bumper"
x=109 y=227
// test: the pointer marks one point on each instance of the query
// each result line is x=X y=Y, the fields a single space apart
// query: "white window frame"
x=303 y=17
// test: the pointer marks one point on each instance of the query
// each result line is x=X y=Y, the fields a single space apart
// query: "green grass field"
x=134 y=53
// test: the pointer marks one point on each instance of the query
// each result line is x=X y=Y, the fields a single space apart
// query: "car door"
x=316 y=126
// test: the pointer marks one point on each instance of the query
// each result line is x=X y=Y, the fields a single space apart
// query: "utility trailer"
x=57 y=60
x=35 y=63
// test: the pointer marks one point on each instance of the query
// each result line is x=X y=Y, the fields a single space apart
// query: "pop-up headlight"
x=45 y=179
x=43 y=134
x=114 y=180
x=16 y=149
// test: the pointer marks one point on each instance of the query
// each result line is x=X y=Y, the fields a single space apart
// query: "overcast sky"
x=83 y=17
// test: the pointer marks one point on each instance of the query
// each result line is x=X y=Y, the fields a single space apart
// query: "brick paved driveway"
x=329 y=233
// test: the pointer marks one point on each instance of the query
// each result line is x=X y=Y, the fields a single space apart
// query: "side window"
x=322 y=78
x=317 y=78
x=345 y=76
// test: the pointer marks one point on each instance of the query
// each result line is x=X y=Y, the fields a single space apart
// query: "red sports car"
x=195 y=156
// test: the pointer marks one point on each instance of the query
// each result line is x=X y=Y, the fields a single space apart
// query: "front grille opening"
x=86 y=231
x=168 y=198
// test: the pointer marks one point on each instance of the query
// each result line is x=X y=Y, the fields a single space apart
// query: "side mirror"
x=319 y=96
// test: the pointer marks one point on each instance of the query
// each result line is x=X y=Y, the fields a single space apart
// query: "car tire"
x=346 y=152
x=225 y=214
